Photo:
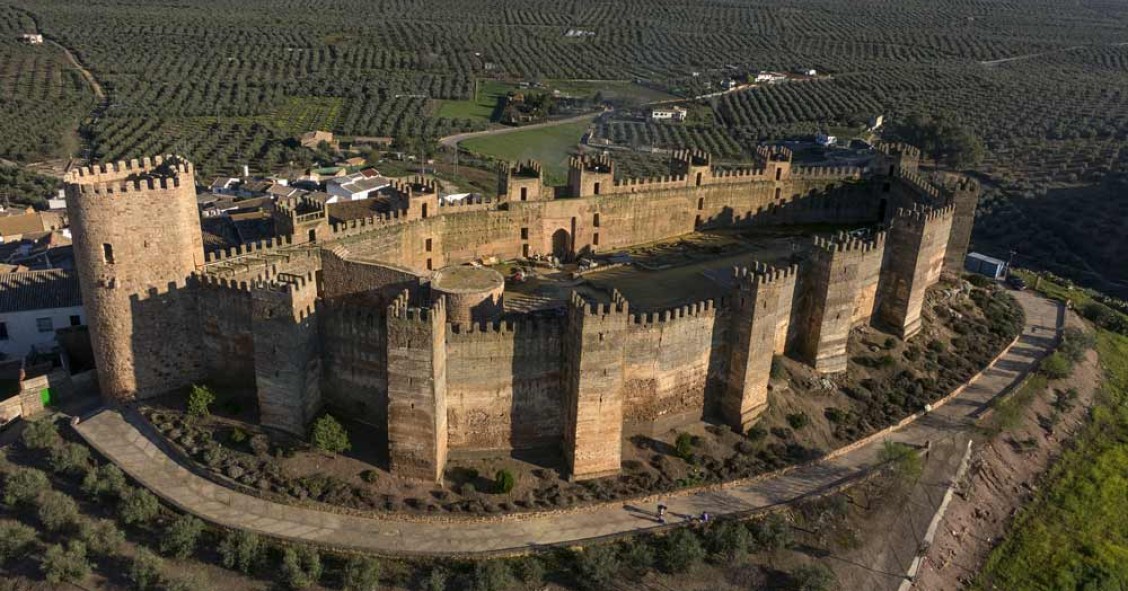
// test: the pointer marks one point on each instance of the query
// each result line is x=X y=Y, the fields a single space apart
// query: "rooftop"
x=39 y=290
x=465 y=278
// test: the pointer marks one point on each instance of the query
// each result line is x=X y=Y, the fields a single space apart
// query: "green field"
x=482 y=107
x=1074 y=534
x=551 y=146
x=612 y=90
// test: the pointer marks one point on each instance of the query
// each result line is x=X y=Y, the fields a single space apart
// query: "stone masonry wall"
x=504 y=386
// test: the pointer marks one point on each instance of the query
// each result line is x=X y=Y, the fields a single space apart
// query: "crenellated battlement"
x=261 y=247
x=401 y=309
x=692 y=157
x=764 y=274
x=470 y=203
x=774 y=153
x=617 y=305
x=161 y=173
x=919 y=215
x=525 y=169
x=828 y=172
x=369 y=224
x=701 y=309
x=919 y=183
x=415 y=185
x=527 y=326
x=600 y=163
x=650 y=183
x=114 y=172
x=843 y=242
x=898 y=149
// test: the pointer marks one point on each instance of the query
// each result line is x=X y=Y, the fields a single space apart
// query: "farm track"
x=452 y=141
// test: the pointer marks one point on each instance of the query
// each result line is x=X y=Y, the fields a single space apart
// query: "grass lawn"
x=623 y=90
x=551 y=146
x=1074 y=534
x=482 y=107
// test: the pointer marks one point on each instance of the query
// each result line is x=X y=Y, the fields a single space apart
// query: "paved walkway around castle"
x=110 y=433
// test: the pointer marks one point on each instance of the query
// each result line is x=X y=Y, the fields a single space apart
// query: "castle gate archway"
x=562 y=245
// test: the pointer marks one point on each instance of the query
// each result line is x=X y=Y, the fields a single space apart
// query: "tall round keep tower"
x=137 y=241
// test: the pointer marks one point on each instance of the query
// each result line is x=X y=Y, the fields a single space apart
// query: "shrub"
x=492 y=575
x=301 y=567
x=101 y=536
x=70 y=458
x=41 y=434
x=24 y=485
x=596 y=567
x=145 y=572
x=1056 y=366
x=362 y=574
x=1075 y=343
x=683 y=446
x=138 y=505
x=436 y=581
x=328 y=435
x=15 y=541
x=238 y=435
x=903 y=461
x=531 y=571
x=504 y=481
x=798 y=420
x=728 y=541
x=978 y=280
x=56 y=510
x=200 y=400
x=681 y=551
x=260 y=445
x=756 y=433
x=834 y=415
x=180 y=537
x=638 y=558
x=812 y=577
x=242 y=550
x=106 y=480
x=370 y=476
x=65 y=564
x=771 y=533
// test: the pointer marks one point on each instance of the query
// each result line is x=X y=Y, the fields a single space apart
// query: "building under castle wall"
x=349 y=315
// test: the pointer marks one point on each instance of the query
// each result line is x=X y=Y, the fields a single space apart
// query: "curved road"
x=111 y=434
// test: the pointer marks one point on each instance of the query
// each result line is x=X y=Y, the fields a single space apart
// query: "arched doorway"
x=562 y=245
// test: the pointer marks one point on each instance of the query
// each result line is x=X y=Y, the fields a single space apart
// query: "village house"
x=33 y=305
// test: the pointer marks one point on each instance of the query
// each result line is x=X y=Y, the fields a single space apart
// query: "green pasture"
x=551 y=146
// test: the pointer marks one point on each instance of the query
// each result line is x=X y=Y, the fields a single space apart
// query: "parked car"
x=1016 y=282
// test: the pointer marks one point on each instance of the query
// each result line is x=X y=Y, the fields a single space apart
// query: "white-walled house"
x=33 y=305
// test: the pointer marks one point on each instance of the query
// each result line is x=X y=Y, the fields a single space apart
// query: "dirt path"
x=1003 y=476
x=452 y=141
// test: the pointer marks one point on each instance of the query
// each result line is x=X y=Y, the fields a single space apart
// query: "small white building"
x=31 y=38
x=807 y=72
x=355 y=187
x=33 y=305
x=769 y=77
x=825 y=140
x=676 y=114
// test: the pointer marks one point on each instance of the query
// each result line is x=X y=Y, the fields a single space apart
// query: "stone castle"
x=375 y=319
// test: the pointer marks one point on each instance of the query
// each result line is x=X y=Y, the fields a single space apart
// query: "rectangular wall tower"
x=417 y=406
x=593 y=348
x=287 y=351
x=916 y=243
x=762 y=301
